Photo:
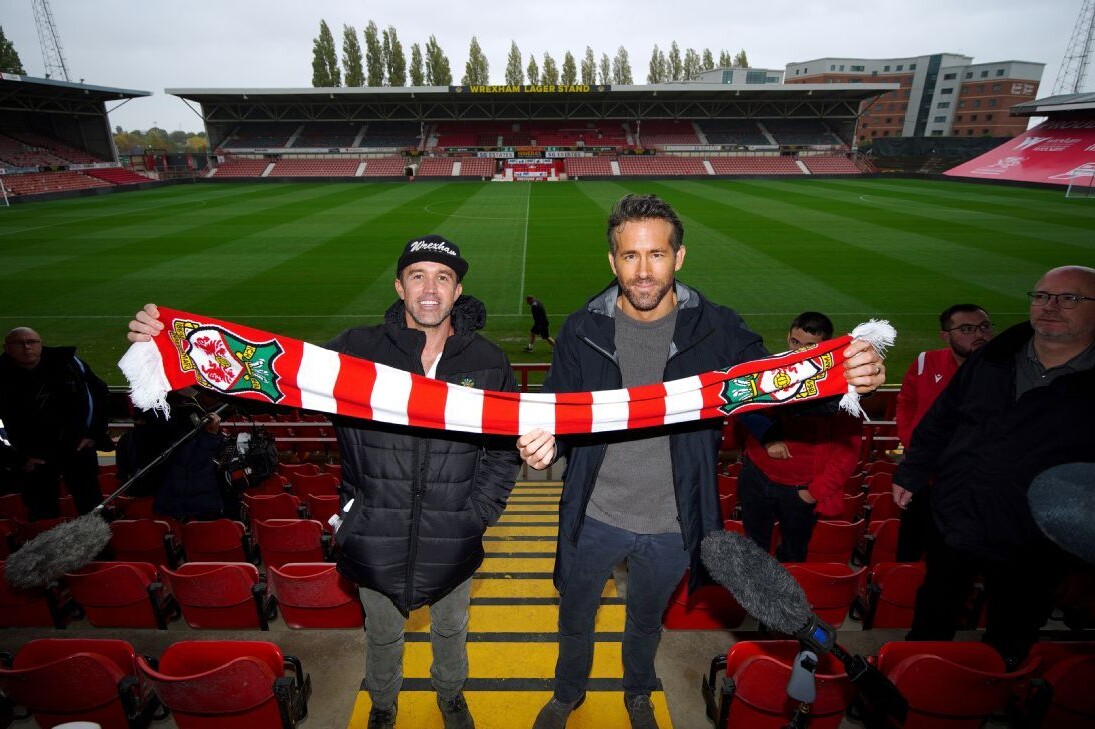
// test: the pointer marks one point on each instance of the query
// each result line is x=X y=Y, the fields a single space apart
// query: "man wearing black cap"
x=415 y=502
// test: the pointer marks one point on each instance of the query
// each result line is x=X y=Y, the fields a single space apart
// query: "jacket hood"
x=469 y=314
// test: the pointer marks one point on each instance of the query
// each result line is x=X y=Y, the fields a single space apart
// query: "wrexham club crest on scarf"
x=799 y=380
x=221 y=360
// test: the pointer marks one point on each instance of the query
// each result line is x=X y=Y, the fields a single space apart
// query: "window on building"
x=886 y=69
x=943 y=105
x=962 y=104
x=988 y=117
x=969 y=74
x=885 y=133
x=842 y=67
x=939 y=120
x=874 y=133
x=969 y=132
x=773 y=79
x=950 y=76
x=912 y=66
x=958 y=118
x=755 y=77
x=948 y=90
x=993 y=102
x=973 y=117
x=857 y=68
x=900 y=68
x=984 y=74
x=889 y=120
x=999 y=72
x=832 y=66
x=996 y=88
x=976 y=103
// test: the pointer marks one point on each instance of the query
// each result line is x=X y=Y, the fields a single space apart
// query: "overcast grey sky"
x=245 y=43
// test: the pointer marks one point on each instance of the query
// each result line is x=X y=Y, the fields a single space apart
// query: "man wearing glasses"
x=964 y=328
x=54 y=409
x=1022 y=403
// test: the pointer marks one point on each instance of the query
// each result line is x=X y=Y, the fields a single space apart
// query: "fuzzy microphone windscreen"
x=65 y=548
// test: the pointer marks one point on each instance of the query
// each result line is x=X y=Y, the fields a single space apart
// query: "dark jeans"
x=916 y=528
x=655 y=564
x=42 y=485
x=1019 y=594
x=763 y=503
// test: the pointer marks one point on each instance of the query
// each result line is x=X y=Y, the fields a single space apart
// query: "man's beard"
x=645 y=301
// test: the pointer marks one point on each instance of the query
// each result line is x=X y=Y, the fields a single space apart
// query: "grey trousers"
x=384 y=644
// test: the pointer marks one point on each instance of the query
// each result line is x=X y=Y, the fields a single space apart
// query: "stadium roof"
x=441 y=103
x=27 y=93
x=1056 y=104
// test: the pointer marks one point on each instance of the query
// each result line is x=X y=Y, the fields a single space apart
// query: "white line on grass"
x=524 y=251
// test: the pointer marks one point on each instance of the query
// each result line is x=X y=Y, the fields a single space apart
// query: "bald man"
x=1020 y=404
x=54 y=410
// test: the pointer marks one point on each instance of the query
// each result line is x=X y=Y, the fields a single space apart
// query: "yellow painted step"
x=520 y=619
x=510 y=710
x=523 y=531
x=508 y=519
x=518 y=564
x=511 y=546
x=524 y=587
x=513 y=660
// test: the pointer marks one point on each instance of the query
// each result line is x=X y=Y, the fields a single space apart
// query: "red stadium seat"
x=315 y=595
x=834 y=541
x=61 y=680
x=229 y=685
x=889 y=597
x=830 y=587
x=277 y=506
x=950 y=684
x=321 y=484
x=220 y=540
x=1067 y=675
x=753 y=693
x=221 y=595
x=710 y=607
x=43 y=606
x=880 y=541
x=290 y=540
x=322 y=508
x=122 y=595
x=144 y=540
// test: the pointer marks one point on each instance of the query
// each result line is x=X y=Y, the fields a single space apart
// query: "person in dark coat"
x=54 y=409
x=416 y=502
x=540 y=327
x=1019 y=405
x=647 y=498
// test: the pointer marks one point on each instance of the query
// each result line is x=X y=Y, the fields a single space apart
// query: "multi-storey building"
x=944 y=94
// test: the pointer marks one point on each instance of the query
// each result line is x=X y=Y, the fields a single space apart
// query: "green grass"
x=311 y=259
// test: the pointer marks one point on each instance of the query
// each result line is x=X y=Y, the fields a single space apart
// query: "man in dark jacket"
x=1020 y=404
x=416 y=502
x=648 y=498
x=54 y=409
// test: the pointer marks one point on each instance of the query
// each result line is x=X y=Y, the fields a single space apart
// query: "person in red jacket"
x=965 y=328
x=796 y=464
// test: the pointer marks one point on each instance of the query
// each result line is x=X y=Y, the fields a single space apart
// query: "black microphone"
x=770 y=594
x=1062 y=502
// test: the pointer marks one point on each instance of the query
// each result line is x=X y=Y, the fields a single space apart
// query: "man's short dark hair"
x=950 y=311
x=644 y=207
x=813 y=322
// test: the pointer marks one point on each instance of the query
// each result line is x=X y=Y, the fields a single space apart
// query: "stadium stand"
x=117 y=175
x=436 y=167
x=53 y=148
x=400 y=135
x=266 y=134
x=640 y=165
x=801 y=131
x=660 y=132
x=328 y=134
x=831 y=165
x=755 y=166
x=343 y=167
x=477 y=167
x=239 y=167
x=36 y=183
x=587 y=166
x=744 y=132
x=385 y=167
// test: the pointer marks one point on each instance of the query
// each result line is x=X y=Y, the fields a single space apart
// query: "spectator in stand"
x=415 y=502
x=796 y=463
x=54 y=409
x=646 y=498
x=539 y=324
x=965 y=328
x=1019 y=405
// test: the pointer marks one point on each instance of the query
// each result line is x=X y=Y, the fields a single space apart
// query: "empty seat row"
x=201 y=684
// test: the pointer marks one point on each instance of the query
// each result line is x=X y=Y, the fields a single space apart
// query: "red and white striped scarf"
x=252 y=364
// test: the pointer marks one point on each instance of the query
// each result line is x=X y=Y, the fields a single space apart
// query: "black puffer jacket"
x=707 y=337
x=983 y=447
x=422 y=498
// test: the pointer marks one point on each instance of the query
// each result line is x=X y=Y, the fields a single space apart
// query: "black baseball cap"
x=434 y=248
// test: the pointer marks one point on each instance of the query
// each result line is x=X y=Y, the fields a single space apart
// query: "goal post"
x=1082 y=185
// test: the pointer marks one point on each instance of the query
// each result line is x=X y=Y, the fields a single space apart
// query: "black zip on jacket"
x=422 y=498
x=707 y=337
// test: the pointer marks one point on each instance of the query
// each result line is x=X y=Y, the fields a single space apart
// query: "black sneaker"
x=527 y=348
x=555 y=713
x=640 y=710
x=455 y=712
x=382 y=718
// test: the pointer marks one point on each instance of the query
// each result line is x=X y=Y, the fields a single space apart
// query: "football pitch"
x=309 y=259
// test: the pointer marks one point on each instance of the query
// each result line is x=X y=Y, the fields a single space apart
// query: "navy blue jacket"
x=707 y=337
x=984 y=448
x=422 y=498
